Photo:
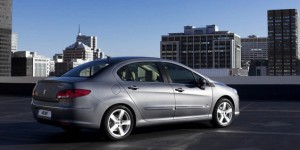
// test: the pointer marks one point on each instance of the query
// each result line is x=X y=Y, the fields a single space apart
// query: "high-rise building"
x=26 y=63
x=14 y=42
x=73 y=55
x=283 y=51
x=90 y=41
x=82 y=51
x=254 y=48
x=5 y=37
x=203 y=48
x=77 y=50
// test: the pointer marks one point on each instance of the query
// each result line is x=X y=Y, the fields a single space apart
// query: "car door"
x=144 y=83
x=190 y=99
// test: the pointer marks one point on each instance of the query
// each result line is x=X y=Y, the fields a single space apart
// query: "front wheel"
x=118 y=122
x=223 y=113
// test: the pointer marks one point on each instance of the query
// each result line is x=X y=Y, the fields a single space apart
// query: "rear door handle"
x=179 y=89
x=133 y=87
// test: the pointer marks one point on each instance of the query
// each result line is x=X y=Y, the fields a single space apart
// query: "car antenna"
x=108 y=57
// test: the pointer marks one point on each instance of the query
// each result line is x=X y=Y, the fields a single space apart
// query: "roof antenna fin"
x=108 y=57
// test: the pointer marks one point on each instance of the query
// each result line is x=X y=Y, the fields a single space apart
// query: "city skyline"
x=131 y=27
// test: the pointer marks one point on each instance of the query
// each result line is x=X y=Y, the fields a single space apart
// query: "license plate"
x=44 y=113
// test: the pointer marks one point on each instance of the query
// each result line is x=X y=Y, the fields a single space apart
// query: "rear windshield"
x=87 y=69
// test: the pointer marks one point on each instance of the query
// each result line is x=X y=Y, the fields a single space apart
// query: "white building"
x=51 y=67
x=76 y=62
x=14 y=42
x=35 y=65
x=58 y=58
x=41 y=66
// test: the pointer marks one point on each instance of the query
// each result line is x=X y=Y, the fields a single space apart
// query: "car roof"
x=125 y=58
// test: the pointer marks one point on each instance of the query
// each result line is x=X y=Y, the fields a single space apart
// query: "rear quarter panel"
x=107 y=92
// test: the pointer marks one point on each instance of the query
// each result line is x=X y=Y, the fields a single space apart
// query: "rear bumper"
x=67 y=116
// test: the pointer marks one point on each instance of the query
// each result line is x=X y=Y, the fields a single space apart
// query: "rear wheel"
x=118 y=122
x=223 y=113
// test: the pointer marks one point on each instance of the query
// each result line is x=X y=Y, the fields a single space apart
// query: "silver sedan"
x=117 y=94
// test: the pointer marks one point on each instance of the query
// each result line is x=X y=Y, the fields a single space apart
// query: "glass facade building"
x=5 y=37
x=254 y=48
x=203 y=48
x=283 y=52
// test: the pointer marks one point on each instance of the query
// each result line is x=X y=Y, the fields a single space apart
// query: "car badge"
x=44 y=92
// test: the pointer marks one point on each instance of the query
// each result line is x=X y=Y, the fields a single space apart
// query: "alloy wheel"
x=224 y=113
x=119 y=123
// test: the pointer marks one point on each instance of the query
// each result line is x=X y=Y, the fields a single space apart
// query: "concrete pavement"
x=261 y=125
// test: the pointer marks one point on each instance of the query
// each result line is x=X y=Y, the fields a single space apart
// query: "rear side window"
x=86 y=70
x=142 y=72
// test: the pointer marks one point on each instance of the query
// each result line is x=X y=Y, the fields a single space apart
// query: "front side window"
x=179 y=74
x=142 y=72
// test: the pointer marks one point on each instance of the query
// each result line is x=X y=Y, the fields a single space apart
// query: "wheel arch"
x=128 y=106
x=215 y=121
x=229 y=98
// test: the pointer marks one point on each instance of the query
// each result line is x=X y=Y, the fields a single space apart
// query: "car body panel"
x=152 y=103
x=154 y=100
x=192 y=101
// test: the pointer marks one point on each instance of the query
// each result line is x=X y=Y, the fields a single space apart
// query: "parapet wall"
x=249 y=88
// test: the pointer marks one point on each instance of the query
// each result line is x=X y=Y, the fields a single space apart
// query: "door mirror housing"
x=202 y=83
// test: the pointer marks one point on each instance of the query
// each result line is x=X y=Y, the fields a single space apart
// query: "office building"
x=203 y=48
x=14 y=42
x=254 y=48
x=51 y=68
x=90 y=41
x=283 y=51
x=5 y=37
x=73 y=55
x=83 y=50
x=78 y=50
x=26 y=63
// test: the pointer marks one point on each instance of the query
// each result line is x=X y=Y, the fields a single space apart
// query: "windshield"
x=87 y=69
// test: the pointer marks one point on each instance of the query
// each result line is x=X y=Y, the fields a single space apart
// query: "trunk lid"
x=46 y=90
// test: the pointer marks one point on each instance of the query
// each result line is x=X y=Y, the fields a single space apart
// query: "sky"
x=132 y=27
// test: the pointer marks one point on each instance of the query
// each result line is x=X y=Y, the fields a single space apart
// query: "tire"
x=118 y=123
x=223 y=113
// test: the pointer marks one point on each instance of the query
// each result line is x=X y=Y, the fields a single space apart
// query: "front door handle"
x=179 y=89
x=133 y=87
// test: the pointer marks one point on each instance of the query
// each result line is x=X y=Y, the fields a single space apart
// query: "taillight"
x=34 y=92
x=72 y=93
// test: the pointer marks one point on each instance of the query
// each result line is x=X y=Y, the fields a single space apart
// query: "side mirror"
x=202 y=83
